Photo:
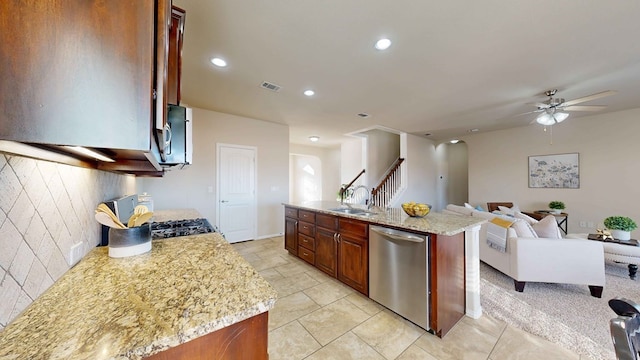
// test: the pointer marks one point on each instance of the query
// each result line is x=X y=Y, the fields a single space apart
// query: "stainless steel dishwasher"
x=399 y=273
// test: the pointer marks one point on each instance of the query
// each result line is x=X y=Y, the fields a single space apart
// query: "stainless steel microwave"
x=178 y=137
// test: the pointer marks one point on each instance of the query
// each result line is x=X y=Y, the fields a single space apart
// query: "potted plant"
x=556 y=207
x=620 y=226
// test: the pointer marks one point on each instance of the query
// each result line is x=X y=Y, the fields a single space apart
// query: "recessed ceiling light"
x=309 y=92
x=314 y=138
x=454 y=141
x=218 y=62
x=383 y=44
x=473 y=130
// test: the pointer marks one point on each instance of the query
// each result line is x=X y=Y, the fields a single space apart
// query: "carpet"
x=564 y=314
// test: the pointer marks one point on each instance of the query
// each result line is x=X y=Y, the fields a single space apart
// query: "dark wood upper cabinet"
x=174 y=68
x=77 y=72
x=87 y=73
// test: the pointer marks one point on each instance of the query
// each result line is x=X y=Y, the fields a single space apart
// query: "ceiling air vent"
x=364 y=115
x=270 y=86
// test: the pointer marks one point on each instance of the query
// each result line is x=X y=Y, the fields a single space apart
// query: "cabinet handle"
x=338 y=238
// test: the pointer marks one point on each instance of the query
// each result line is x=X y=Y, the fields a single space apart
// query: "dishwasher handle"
x=397 y=235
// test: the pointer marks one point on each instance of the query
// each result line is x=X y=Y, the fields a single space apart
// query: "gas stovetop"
x=173 y=228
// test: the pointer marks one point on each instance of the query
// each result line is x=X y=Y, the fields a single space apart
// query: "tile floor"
x=317 y=317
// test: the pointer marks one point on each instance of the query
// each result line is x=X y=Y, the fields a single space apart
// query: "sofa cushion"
x=459 y=209
x=509 y=210
x=525 y=217
x=523 y=229
x=547 y=228
x=488 y=216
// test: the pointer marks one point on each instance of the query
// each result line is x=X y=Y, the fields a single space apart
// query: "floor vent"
x=270 y=86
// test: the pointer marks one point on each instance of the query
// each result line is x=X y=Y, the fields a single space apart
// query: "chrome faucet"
x=368 y=198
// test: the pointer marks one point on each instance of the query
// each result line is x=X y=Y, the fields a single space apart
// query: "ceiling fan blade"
x=584 y=108
x=529 y=112
x=540 y=105
x=589 y=98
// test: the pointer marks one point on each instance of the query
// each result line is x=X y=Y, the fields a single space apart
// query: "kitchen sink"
x=353 y=211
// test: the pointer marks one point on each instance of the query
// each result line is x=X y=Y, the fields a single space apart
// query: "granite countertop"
x=130 y=308
x=434 y=223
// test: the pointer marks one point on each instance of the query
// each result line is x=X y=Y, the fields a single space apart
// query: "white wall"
x=189 y=188
x=330 y=159
x=421 y=170
x=608 y=148
x=383 y=148
x=352 y=162
x=458 y=173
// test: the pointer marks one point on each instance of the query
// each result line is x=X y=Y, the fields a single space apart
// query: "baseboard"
x=268 y=236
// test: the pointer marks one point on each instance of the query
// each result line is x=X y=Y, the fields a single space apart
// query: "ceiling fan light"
x=560 y=116
x=545 y=119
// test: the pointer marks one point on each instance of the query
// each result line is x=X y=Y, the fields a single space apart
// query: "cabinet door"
x=326 y=251
x=447 y=282
x=77 y=72
x=291 y=235
x=174 y=65
x=353 y=262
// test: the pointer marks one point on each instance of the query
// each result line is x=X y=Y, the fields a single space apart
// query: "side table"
x=562 y=219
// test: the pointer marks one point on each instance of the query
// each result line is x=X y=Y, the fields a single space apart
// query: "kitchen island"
x=334 y=238
x=184 y=290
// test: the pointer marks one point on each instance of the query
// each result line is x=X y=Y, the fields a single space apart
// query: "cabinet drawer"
x=307 y=255
x=291 y=212
x=307 y=228
x=307 y=216
x=327 y=221
x=354 y=227
x=307 y=241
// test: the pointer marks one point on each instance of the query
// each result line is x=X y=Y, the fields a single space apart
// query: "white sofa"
x=570 y=261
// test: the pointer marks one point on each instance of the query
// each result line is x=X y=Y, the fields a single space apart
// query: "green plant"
x=620 y=223
x=556 y=205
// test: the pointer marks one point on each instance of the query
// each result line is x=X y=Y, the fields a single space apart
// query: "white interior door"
x=237 y=192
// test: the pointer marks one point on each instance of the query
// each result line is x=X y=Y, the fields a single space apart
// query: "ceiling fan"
x=553 y=111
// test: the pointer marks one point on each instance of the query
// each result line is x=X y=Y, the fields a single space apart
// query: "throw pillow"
x=468 y=206
x=525 y=217
x=479 y=208
x=523 y=229
x=547 y=228
x=509 y=210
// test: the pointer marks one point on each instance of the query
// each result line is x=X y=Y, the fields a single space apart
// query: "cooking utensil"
x=140 y=209
x=104 y=219
x=142 y=218
x=105 y=209
x=132 y=219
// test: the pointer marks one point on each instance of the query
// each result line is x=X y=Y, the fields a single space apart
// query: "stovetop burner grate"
x=173 y=228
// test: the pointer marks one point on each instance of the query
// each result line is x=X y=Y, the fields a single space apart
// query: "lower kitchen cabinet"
x=353 y=262
x=447 y=276
x=245 y=340
x=342 y=250
x=291 y=235
x=327 y=244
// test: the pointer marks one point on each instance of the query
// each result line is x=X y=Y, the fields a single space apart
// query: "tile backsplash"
x=45 y=208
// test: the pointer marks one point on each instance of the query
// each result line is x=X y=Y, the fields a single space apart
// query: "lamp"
x=551 y=117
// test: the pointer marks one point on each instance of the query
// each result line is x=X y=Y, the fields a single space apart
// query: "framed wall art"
x=560 y=171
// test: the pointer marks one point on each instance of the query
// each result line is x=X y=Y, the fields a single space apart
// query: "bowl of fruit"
x=414 y=209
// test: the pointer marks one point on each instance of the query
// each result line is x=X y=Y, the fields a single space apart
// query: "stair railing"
x=343 y=190
x=389 y=186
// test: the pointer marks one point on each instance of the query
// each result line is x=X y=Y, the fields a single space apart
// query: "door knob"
x=224 y=201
